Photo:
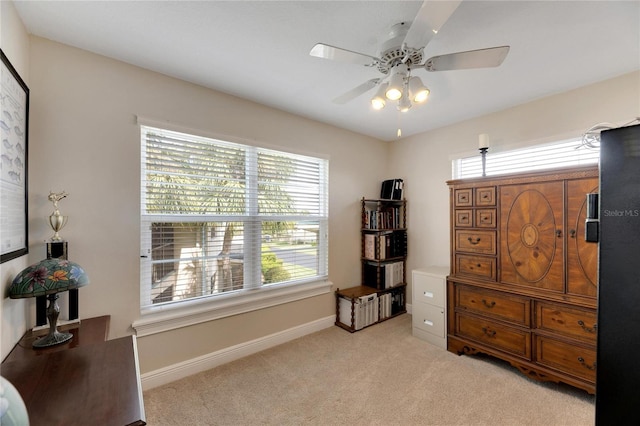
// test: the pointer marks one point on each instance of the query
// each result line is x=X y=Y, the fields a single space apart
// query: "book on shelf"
x=383 y=276
x=385 y=306
x=400 y=243
x=394 y=274
x=392 y=189
x=370 y=246
x=382 y=242
x=388 y=245
x=386 y=218
x=397 y=302
x=393 y=244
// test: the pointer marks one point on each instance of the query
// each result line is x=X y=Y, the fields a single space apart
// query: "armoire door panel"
x=582 y=257
x=532 y=242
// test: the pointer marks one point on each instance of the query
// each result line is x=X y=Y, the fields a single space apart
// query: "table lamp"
x=48 y=278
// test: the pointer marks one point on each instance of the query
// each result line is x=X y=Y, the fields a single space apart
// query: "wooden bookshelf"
x=382 y=293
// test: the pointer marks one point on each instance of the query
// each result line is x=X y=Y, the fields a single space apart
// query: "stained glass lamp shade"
x=48 y=278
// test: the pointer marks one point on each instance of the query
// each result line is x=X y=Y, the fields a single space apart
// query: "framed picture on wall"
x=14 y=130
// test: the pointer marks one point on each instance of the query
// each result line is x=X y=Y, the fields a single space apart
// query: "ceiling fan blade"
x=357 y=91
x=481 y=58
x=430 y=18
x=325 y=51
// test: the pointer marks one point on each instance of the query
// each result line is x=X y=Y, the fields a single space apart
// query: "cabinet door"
x=582 y=257
x=532 y=244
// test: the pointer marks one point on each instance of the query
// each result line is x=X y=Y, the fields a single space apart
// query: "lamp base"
x=52 y=339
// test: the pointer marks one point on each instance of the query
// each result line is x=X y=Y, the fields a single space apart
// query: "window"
x=221 y=218
x=558 y=154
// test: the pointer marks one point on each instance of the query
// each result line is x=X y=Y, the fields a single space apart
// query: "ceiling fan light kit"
x=397 y=82
x=403 y=51
x=403 y=88
x=418 y=91
x=380 y=100
x=404 y=104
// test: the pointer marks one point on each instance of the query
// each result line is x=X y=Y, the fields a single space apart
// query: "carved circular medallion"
x=531 y=235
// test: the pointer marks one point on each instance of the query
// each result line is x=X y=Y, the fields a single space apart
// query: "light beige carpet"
x=381 y=375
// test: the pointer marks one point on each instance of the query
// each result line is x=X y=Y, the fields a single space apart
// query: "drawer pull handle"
x=428 y=294
x=487 y=304
x=490 y=333
x=585 y=365
x=428 y=322
x=474 y=242
x=588 y=329
x=572 y=233
x=558 y=233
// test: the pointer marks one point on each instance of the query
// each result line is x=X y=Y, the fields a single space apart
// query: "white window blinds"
x=220 y=217
x=558 y=154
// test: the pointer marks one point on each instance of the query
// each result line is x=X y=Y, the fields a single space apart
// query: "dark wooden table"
x=84 y=382
x=88 y=331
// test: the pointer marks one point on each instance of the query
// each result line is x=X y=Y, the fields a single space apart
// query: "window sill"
x=164 y=318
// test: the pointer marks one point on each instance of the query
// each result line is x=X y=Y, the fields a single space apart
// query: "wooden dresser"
x=523 y=282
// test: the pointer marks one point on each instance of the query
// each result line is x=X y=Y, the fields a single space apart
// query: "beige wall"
x=85 y=140
x=15 y=314
x=424 y=161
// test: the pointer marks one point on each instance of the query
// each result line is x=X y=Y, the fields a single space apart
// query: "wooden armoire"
x=523 y=281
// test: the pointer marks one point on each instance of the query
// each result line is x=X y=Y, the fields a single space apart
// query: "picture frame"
x=14 y=131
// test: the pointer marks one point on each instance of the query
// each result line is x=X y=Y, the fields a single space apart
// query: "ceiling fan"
x=403 y=52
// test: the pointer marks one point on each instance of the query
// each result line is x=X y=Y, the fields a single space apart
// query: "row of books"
x=386 y=301
x=388 y=218
x=392 y=189
x=397 y=302
x=370 y=309
x=385 y=246
x=383 y=276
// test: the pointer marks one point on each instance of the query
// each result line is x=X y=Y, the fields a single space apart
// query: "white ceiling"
x=258 y=50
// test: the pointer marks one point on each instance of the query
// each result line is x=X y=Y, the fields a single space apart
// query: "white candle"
x=483 y=141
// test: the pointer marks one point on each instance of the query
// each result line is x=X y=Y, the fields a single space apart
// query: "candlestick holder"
x=483 y=153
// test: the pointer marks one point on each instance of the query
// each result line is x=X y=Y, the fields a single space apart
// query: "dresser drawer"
x=485 y=196
x=505 y=338
x=566 y=357
x=463 y=197
x=464 y=218
x=494 y=304
x=483 y=242
x=572 y=322
x=486 y=218
x=429 y=318
x=476 y=266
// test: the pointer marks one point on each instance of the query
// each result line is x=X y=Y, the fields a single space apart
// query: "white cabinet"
x=429 y=304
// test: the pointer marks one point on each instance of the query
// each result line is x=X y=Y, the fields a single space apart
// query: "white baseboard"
x=183 y=369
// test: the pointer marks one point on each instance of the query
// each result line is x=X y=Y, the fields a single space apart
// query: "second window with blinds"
x=567 y=153
x=222 y=218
